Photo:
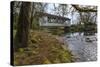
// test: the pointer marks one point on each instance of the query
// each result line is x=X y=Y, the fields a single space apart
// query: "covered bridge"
x=52 y=20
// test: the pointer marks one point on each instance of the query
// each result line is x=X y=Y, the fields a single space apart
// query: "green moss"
x=14 y=33
x=45 y=50
x=21 y=49
x=65 y=56
x=46 y=61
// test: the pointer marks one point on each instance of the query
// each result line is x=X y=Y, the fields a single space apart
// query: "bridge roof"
x=52 y=16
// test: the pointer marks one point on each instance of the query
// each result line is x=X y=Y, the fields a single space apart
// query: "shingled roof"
x=51 y=16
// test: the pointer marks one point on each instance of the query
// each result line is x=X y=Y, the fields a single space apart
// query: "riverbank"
x=43 y=48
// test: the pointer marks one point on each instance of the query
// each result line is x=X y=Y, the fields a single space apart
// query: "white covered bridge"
x=52 y=20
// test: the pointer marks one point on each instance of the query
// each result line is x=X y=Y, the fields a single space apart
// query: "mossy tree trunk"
x=23 y=26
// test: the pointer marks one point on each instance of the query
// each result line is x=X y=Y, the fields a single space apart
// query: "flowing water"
x=84 y=48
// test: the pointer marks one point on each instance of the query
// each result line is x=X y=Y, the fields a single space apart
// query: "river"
x=84 y=48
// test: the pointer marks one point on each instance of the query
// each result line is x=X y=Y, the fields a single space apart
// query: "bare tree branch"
x=83 y=10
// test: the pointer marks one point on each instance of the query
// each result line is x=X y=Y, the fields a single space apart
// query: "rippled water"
x=81 y=49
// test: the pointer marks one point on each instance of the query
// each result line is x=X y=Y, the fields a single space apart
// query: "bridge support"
x=66 y=29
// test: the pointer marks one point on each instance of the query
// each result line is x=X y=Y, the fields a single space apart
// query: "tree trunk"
x=32 y=15
x=23 y=26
